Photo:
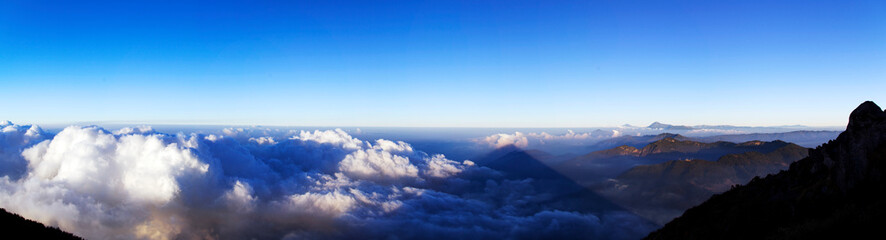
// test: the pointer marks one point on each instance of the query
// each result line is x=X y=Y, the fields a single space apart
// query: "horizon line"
x=210 y=124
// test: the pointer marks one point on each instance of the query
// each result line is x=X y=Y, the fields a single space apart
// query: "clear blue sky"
x=446 y=63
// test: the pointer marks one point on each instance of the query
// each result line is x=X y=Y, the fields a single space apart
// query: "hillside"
x=834 y=193
x=601 y=165
x=663 y=191
x=633 y=141
x=16 y=226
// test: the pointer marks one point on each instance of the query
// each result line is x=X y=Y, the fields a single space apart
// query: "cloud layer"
x=544 y=140
x=524 y=140
x=241 y=183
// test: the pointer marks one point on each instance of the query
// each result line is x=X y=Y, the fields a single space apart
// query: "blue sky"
x=441 y=64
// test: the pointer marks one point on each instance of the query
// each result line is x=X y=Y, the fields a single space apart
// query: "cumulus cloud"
x=13 y=139
x=94 y=178
x=517 y=139
x=135 y=130
x=136 y=183
x=332 y=204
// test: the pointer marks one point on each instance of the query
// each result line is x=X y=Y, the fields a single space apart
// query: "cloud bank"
x=545 y=140
x=137 y=183
x=523 y=140
x=13 y=139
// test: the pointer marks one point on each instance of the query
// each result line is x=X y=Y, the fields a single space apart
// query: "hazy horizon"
x=183 y=124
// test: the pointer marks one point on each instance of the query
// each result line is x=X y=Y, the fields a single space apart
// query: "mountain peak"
x=865 y=115
x=657 y=125
x=669 y=135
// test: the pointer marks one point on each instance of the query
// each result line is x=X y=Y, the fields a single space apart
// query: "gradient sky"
x=446 y=63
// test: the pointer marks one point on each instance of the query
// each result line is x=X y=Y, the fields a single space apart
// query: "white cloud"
x=517 y=139
x=135 y=130
x=94 y=162
x=242 y=184
x=375 y=163
x=523 y=140
x=13 y=139
x=440 y=167
x=330 y=204
x=337 y=137
x=240 y=198
x=85 y=178
x=263 y=140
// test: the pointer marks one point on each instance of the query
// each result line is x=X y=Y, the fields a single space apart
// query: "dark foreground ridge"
x=835 y=193
x=17 y=227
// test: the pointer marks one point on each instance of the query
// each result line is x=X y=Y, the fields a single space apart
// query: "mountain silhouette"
x=600 y=165
x=834 y=193
x=634 y=141
x=802 y=138
x=564 y=193
x=17 y=227
x=521 y=164
x=661 y=192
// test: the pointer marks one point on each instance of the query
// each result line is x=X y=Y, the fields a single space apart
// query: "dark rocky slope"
x=17 y=227
x=835 y=193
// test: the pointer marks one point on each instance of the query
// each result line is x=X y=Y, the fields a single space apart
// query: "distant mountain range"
x=660 y=176
x=802 y=138
x=808 y=139
x=634 y=141
x=665 y=126
x=661 y=192
x=601 y=165
x=17 y=227
x=834 y=193
x=658 y=125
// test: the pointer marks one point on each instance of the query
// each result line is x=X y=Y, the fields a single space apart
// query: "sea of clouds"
x=137 y=183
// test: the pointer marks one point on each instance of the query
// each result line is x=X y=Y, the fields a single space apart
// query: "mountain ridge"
x=833 y=193
x=664 y=126
x=667 y=189
x=16 y=226
x=597 y=166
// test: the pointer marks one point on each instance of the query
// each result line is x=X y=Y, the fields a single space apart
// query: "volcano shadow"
x=561 y=192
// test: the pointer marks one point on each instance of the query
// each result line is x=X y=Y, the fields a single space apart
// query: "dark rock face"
x=836 y=192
